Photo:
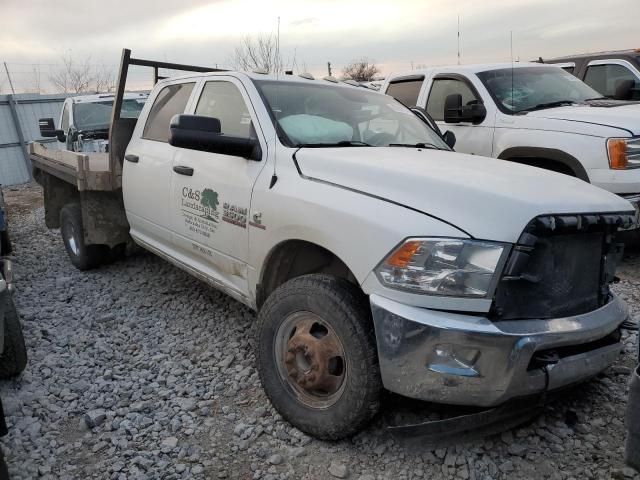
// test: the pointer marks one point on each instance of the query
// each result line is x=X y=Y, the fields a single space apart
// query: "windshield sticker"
x=200 y=210
x=234 y=215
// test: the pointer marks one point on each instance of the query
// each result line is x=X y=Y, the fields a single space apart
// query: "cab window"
x=606 y=78
x=441 y=89
x=223 y=100
x=406 y=91
x=171 y=100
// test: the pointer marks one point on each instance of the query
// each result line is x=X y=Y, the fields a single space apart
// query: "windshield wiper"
x=542 y=106
x=343 y=143
x=415 y=145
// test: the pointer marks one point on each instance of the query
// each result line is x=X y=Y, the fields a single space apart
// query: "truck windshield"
x=314 y=114
x=97 y=115
x=524 y=89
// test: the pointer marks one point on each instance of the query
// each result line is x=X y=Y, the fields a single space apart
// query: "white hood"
x=626 y=117
x=489 y=199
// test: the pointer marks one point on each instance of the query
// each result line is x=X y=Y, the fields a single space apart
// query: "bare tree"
x=260 y=53
x=73 y=76
x=363 y=70
x=105 y=80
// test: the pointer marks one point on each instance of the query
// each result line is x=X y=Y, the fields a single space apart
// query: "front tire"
x=13 y=359
x=82 y=256
x=317 y=356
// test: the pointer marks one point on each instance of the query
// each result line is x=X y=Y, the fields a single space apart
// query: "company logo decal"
x=257 y=221
x=200 y=210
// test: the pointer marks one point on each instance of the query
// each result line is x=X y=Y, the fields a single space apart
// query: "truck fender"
x=552 y=154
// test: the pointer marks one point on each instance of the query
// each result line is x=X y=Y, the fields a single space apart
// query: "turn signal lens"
x=618 y=159
x=402 y=257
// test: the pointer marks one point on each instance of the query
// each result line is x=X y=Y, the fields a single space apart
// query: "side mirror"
x=449 y=138
x=624 y=90
x=197 y=132
x=48 y=130
x=455 y=112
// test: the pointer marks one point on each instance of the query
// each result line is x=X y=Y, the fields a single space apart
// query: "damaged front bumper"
x=459 y=359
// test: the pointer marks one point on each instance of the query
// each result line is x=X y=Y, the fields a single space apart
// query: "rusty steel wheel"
x=317 y=355
x=311 y=359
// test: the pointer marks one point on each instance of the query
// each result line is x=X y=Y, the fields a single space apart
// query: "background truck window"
x=171 y=101
x=64 y=123
x=605 y=78
x=223 y=100
x=406 y=91
x=441 y=88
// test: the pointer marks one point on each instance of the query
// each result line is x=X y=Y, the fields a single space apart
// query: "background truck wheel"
x=82 y=256
x=13 y=359
x=317 y=356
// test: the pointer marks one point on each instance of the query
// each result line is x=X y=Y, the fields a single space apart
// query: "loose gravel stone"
x=164 y=369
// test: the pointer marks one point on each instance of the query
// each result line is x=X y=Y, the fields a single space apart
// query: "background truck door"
x=212 y=192
x=146 y=179
x=476 y=139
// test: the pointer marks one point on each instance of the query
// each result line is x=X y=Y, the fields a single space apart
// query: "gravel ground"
x=138 y=371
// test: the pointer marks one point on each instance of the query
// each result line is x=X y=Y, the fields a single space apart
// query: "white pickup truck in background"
x=375 y=256
x=534 y=114
x=84 y=120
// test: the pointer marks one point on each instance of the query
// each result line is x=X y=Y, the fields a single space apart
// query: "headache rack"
x=121 y=129
x=561 y=266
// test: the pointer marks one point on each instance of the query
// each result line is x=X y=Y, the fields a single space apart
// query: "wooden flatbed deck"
x=87 y=171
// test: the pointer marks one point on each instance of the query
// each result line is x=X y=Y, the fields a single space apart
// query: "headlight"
x=623 y=153
x=442 y=266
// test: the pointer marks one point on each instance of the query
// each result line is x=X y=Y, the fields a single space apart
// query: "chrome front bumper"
x=469 y=360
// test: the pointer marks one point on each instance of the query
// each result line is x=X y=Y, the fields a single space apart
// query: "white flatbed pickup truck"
x=533 y=114
x=375 y=256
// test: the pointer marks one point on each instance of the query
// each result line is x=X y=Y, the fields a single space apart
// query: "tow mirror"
x=48 y=130
x=624 y=89
x=455 y=112
x=197 y=132
x=449 y=138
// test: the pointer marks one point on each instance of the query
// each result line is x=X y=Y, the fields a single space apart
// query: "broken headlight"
x=442 y=266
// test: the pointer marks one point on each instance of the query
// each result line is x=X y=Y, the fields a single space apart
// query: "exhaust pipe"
x=632 y=454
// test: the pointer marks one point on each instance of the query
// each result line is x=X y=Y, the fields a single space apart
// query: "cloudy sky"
x=34 y=34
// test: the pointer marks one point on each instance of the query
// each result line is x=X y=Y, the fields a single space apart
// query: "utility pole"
x=329 y=68
x=458 y=39
x=13 y=107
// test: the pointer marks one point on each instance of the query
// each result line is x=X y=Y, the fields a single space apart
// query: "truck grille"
x=562 y=265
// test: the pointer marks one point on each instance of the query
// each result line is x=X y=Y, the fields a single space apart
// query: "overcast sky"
x=393 y=33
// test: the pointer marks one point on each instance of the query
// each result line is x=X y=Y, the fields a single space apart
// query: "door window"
x=406 y=91
x=223 y=100
x=441 y=89
x=171 y=100
x=606 y=78
x=64 y=123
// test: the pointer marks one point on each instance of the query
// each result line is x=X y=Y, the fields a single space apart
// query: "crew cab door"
x=212 y=191
x=605 y=76
x=471 y=138
x=147 y=169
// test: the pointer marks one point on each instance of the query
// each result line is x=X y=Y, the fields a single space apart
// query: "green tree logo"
x=209 y=200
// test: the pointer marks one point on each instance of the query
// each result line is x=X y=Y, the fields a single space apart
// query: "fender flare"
x=547 y=154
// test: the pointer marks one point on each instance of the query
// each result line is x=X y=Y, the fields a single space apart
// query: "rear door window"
x=171 y=100
x=606 y=78
x=406 y=91
x=441 y=89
